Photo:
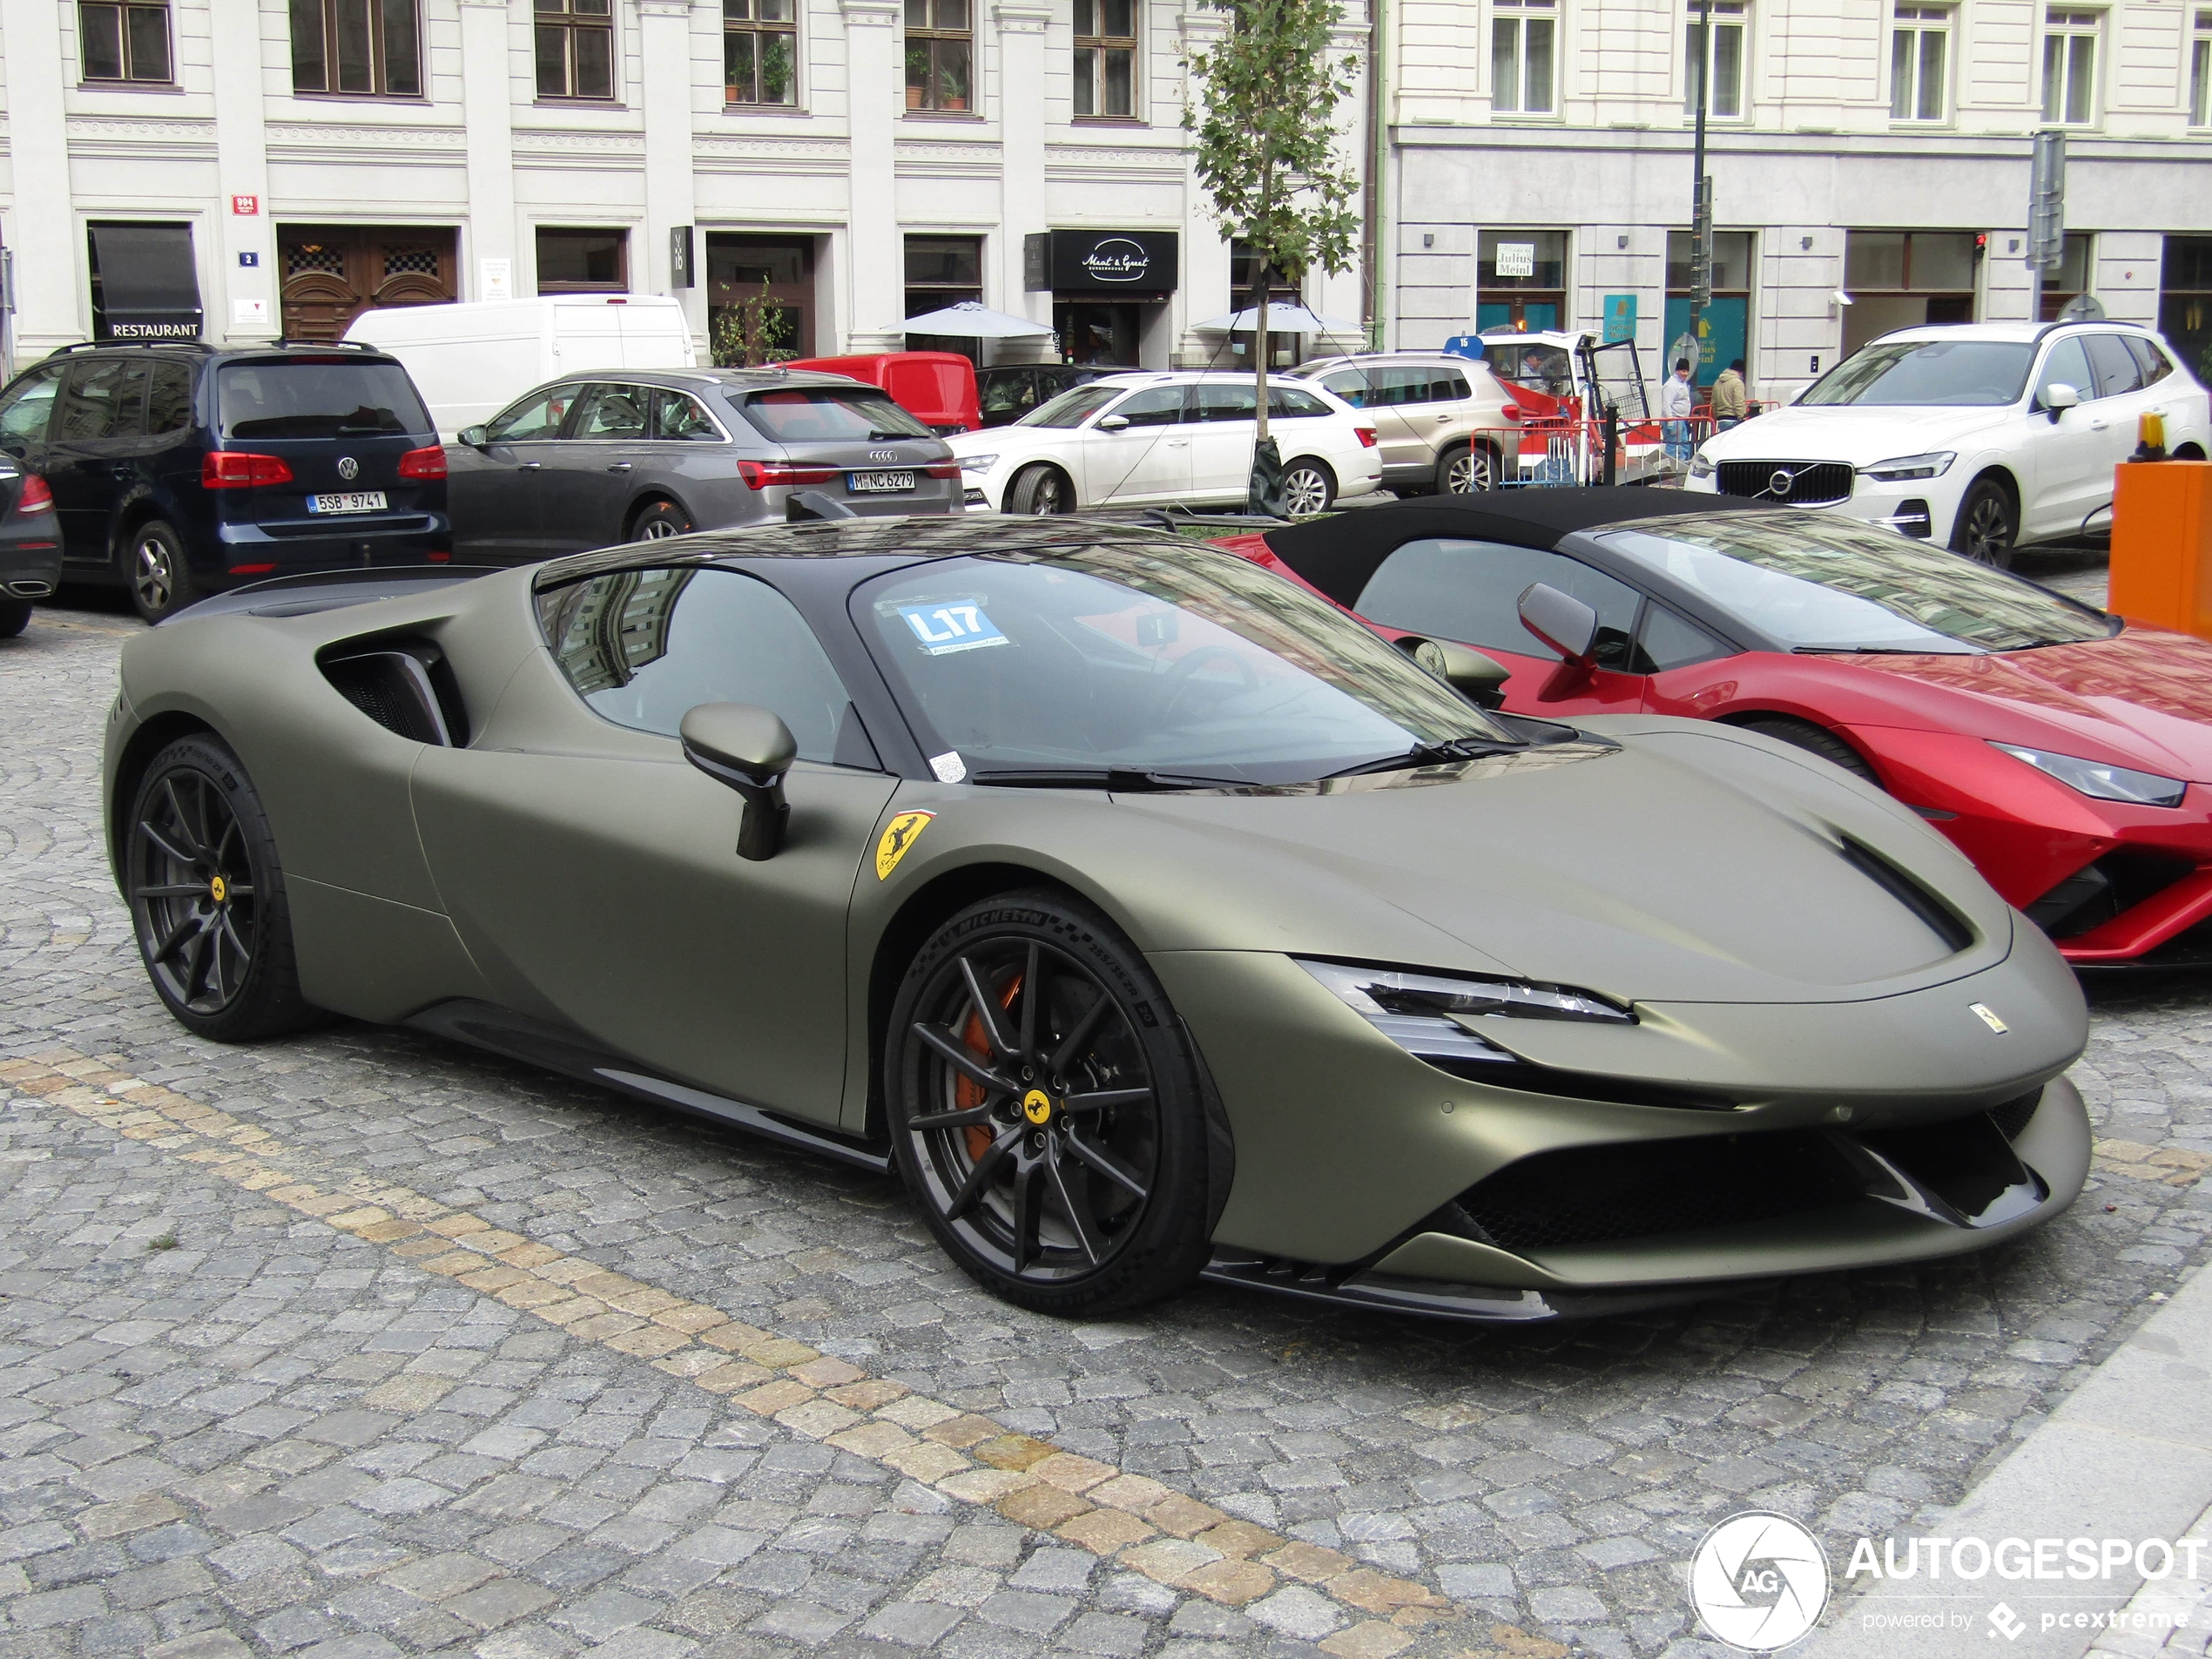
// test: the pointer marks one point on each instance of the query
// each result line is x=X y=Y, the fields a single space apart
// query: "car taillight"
x=941 y=469
x=1514 y=412
x=438 y=558
x=36 y=497
x=251 y=570
x=1367 y=435
x=237 y=469
x=761 y=475
x=423 y=463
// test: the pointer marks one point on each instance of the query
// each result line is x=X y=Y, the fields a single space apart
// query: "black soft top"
x=1341 y=553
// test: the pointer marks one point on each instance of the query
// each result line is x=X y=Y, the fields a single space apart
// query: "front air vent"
x=1942 y=920
x=405 y=686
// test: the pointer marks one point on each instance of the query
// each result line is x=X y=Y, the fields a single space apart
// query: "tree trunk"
x=1259 y=354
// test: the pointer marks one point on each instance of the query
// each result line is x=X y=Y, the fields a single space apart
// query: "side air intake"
x=406 y=687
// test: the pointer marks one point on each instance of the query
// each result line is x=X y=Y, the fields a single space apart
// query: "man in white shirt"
x=1675 y=404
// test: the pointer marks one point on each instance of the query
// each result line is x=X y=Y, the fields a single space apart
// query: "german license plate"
x=360 y=501
x=875 y=484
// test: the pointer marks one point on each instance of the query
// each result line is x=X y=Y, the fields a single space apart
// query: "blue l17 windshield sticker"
x=955 y=625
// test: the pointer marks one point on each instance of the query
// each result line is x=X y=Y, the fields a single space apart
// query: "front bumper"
x=1925 y=509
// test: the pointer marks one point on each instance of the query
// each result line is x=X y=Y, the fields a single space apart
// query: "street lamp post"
x=1701 y=208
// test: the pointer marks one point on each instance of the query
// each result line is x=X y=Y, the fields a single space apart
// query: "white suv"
x=1140 y=439
x=1987 y=435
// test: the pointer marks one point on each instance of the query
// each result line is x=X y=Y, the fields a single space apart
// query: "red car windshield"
x=1822 y=583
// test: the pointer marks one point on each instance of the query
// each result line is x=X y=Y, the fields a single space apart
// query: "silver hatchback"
x=591 y=461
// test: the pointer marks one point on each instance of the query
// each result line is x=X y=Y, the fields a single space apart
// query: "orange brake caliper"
x=968 y=1094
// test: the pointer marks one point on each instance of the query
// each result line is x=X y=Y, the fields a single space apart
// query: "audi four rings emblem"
x=883 y=454
x=1779 y=480
x=348 y=468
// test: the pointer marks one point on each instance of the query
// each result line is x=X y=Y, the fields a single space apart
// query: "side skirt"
x=481 y=1025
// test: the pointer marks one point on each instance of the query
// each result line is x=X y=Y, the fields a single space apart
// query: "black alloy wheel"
x=207 y=897
x=1988 y=524
x=1045 y=1109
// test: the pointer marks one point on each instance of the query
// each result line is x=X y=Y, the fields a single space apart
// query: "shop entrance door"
x=1096 y=334
x=333 y=274
x=760 y=299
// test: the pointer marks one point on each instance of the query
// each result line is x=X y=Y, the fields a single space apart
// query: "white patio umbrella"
x=971 y=319
x=1281 y=320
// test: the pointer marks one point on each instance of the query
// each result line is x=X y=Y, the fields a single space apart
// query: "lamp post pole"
x=1700 y=198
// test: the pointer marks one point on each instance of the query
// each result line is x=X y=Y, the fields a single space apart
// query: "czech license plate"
x=361 y=501
x=872 y=483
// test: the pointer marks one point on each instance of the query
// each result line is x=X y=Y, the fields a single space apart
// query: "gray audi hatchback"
x=591 y=461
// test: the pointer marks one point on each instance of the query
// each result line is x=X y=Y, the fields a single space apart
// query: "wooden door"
x=333 y=274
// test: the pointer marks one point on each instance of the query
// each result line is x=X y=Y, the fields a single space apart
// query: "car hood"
x=1009 y=439
x=1858 y=437
x=1682 y=862
x=2142 y=698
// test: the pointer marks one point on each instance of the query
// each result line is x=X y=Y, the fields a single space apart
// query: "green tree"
x=1263 y=109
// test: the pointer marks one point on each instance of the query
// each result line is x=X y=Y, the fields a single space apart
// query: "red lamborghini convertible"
x=2066 y=752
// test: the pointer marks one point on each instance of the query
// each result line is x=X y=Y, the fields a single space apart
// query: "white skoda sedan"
x=1160 y=439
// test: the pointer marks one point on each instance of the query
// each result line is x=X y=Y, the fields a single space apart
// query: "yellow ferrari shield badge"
x=1036 y=1106
x=898 y=835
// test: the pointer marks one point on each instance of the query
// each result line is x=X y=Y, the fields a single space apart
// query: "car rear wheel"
x=1041 y=492
x=207 y=897
x=1814 y=740
x=1045 y=1109
x=1464 y=470
x=15 y=617
x=161 y=581
x=658 y=520
x=1988 y=523
x=1309 y=487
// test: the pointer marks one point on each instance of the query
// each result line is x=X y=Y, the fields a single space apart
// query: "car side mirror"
x=2059 y=397
x=1482 y=679
x=1561 y=621
x=1113 y=423
x=474 y=436
x=750 y=749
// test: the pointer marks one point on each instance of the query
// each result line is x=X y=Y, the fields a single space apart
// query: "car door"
x=2065 y=472
x=593 y=872
x=27 y=414
x=2122 y=397
x=590 y=474
x=91 y=451
x=1146 y=460
x=1469 y=592
x=1222 y=434
x=493 y=489
x=1398 y=404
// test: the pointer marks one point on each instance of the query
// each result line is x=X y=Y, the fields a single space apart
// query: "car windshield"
x=1969 y=373
x=1821 y=583
x=317 y=398
x=1152 y=657
x=829 y=415
x=1072 y=407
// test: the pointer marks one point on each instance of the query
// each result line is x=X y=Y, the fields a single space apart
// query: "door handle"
x=620 y=466
x=2099 y=426
x=530 y=465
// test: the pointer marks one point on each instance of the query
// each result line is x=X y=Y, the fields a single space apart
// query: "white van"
x=471 y=360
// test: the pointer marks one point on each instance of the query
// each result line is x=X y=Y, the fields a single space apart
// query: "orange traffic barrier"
x=2161 y=544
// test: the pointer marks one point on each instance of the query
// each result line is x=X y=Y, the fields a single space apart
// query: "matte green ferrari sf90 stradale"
x=1152 y=918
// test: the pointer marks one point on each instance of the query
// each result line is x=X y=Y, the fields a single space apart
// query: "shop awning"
x=967 y=319
x=149 y=285
x=1281 y=320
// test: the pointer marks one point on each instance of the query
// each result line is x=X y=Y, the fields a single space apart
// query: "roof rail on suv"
x=142 y=344
x=327 y=345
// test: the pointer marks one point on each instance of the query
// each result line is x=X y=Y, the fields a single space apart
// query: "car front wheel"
x=1308 y=489
x=161 y=581
x=1045 y=1109
x=1988 y=524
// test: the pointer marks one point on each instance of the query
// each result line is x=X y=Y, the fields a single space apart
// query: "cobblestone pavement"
x=260 y=1392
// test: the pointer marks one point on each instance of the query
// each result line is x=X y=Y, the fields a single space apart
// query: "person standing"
x=1728 y=396
x=1675 y=404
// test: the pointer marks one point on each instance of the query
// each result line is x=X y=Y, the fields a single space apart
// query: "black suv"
x=181 y=469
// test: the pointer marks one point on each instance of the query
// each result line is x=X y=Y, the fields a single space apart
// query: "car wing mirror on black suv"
x=749 y=748
x=1482 y=678
x=474 y=436
x=1562 y=622
x=2059 y=397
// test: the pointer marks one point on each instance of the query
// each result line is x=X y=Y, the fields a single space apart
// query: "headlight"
x=2102 y=780
x=1421 y=1012
x=978 y=464
x=1701 y=465
x=1932 y=465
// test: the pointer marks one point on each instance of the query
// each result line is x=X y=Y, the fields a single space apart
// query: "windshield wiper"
x=1124 y=780
x=1949 y=648
x=1433 y=754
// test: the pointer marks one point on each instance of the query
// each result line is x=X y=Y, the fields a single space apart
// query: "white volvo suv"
x=1986 y=436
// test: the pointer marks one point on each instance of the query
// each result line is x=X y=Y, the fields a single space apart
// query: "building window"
x=759 y=52
x=1521 y=36
x=2200 y=72
x=1106 y=58
x=124 y=42
x=369 y=48
x=1906 y=280
x=1520 y=280
x=583 y=262
x=940 y=48
x=1721 y=57
x=2070 y=67
x=1920 y=58
x=1723 y=327
x=943 y=271
x=2185 y=301
x=575 y=49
